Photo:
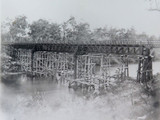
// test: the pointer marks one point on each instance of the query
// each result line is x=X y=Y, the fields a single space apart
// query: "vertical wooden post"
x=75 y=66
x=122 y=67
x=89 y=67
x=32 y=56
x=144 y=69
x=150 y=72
x=126 y=66
x=101 y=66
x=14 y=53
x=139 y=72
x=109 y=67
x=147 y=69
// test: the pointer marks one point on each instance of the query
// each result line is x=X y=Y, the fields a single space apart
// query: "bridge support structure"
x=24 y=59
x=145 y=72
x=97 y=70
x=58 y=65
x=125 y=67
x=39 y=58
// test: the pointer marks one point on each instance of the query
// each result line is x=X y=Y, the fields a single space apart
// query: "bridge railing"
x=108 y=42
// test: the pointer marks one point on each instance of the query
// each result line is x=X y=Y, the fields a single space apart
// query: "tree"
x=100 y=34
x=19 y=28
x=15 y=30
x=68 y=29
x=8 y=63
x=73 y=31
x=83 y=32
x=142 y=37
x=43 y=31
x=130 y=35
x=113 y=34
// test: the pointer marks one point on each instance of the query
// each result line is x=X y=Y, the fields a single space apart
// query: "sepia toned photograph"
x=80 y=60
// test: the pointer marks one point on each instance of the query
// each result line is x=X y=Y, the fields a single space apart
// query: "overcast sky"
x=98 y=13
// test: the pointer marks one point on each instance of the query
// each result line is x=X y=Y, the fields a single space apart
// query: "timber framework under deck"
x=80 y=61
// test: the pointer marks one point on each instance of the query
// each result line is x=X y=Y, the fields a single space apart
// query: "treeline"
x=19 y=30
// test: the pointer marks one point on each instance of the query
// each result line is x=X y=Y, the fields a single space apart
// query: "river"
x=45 y=100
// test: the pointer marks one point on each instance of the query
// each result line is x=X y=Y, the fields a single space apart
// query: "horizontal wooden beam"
x=81 y=49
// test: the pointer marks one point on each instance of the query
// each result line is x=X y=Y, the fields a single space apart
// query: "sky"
x=98 y=13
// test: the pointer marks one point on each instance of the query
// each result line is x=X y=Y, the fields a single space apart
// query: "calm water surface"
x=45 y=100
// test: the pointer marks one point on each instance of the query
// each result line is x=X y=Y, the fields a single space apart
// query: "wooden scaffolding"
x=86 y=69
x=24 y=59
x=52 y=64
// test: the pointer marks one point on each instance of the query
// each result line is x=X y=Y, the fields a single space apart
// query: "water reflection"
x=44 y=99
x=21 y=93
x=24 y=98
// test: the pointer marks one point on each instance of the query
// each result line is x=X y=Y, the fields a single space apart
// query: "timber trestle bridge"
x=84 y=64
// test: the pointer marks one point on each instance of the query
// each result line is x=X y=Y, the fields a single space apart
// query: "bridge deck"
x=79 y=49
x=155 y=43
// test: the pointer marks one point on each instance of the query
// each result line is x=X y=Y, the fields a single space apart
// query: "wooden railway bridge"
x=78 y=61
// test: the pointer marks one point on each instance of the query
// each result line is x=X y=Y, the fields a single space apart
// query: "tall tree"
x=15 y=30
x=100 y=34
x=43 y=31
x=113 y=34
x=73 y=31
x=83 y=32
x=19 y=28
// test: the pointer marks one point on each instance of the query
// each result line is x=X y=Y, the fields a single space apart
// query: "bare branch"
x=158 y=10
x=155 y=5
